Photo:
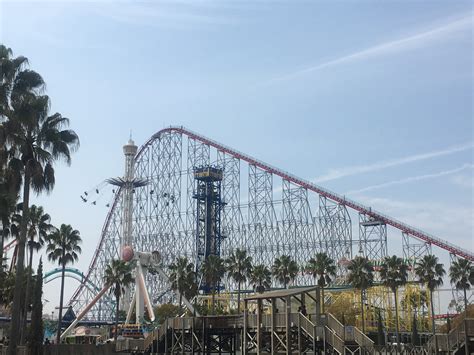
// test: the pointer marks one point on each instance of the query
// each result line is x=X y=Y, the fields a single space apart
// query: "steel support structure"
x=335 y=232
x=263 y=241
x=413 y=250
x=372 y=238
x=269 y=213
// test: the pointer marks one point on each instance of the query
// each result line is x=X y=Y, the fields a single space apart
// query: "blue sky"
x=370 y=99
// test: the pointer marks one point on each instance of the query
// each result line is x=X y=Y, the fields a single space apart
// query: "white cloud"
x=391 y=47
x=413 y=179
x=360 y=169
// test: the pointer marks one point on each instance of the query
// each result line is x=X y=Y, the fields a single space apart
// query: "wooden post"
x=182 y=335
x=272 y=330
x=259 y=328
x=172 y=337
x=203 y=343
x=244 y=337
x=299 y=334
x=288 y=324
x=166 y=335
x=192 y=335
x=317 y=307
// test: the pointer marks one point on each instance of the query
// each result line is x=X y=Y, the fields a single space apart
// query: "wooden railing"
x=336 y=326
x=308 y=326
x=150 y=338
x=336 y=342
x=454 y=340
x=363 y=341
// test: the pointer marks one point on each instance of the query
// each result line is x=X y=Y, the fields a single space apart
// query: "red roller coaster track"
x=453 y=249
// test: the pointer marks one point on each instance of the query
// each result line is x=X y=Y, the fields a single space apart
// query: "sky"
x=370 y=99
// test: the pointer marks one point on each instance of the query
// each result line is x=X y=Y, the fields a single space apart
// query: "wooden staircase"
x=347 y=339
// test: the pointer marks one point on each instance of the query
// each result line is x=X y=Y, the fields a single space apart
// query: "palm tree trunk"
x=238 y=298
x=433 y=321
x=397 y=325
x=61 y=303
x=322 y=300
x=362 y=309
x=20 y=268
x=27 y=296
x=213 y=301
x=117 y=299
x=2 y=244
x=466 y=347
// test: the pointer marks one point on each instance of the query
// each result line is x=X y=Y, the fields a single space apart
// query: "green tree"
x=36 y=328
x=183 y=278
x=63 y=248
x=166 y=310
x=285 y=270
x=323 y=270
x=461 y=274
x=361 y=277
x=213 y=270
x=35 y=140
x=261 y=278
x=118 y=274
x=38 y=229
x=7 y=282
x=239 y=267
x=430 y=273
x=394 y=274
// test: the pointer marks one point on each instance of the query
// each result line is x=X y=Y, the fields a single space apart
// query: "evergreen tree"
x=36 y=329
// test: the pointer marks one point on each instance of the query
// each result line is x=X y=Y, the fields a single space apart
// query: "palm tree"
x=34 y=140
x=38 y=230
x=239 y=267
x=183 y=278
x=394 y=274
x=7 y=217
x=361 y=277
x=430 y=273
x=260 y=277
x=118 y=274
x=461 y=274
x=323 y=269
x=63 y=247
x=212 y=271
x=285 y=269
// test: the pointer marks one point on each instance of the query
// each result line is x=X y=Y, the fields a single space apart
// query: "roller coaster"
x=266 y=211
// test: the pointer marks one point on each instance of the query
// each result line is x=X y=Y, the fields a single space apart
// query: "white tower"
x=130 y=150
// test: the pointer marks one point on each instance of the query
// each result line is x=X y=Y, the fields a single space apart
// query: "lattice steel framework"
x=268 y=212
x=413 y=250
x=335 y=231
x=372 y=238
